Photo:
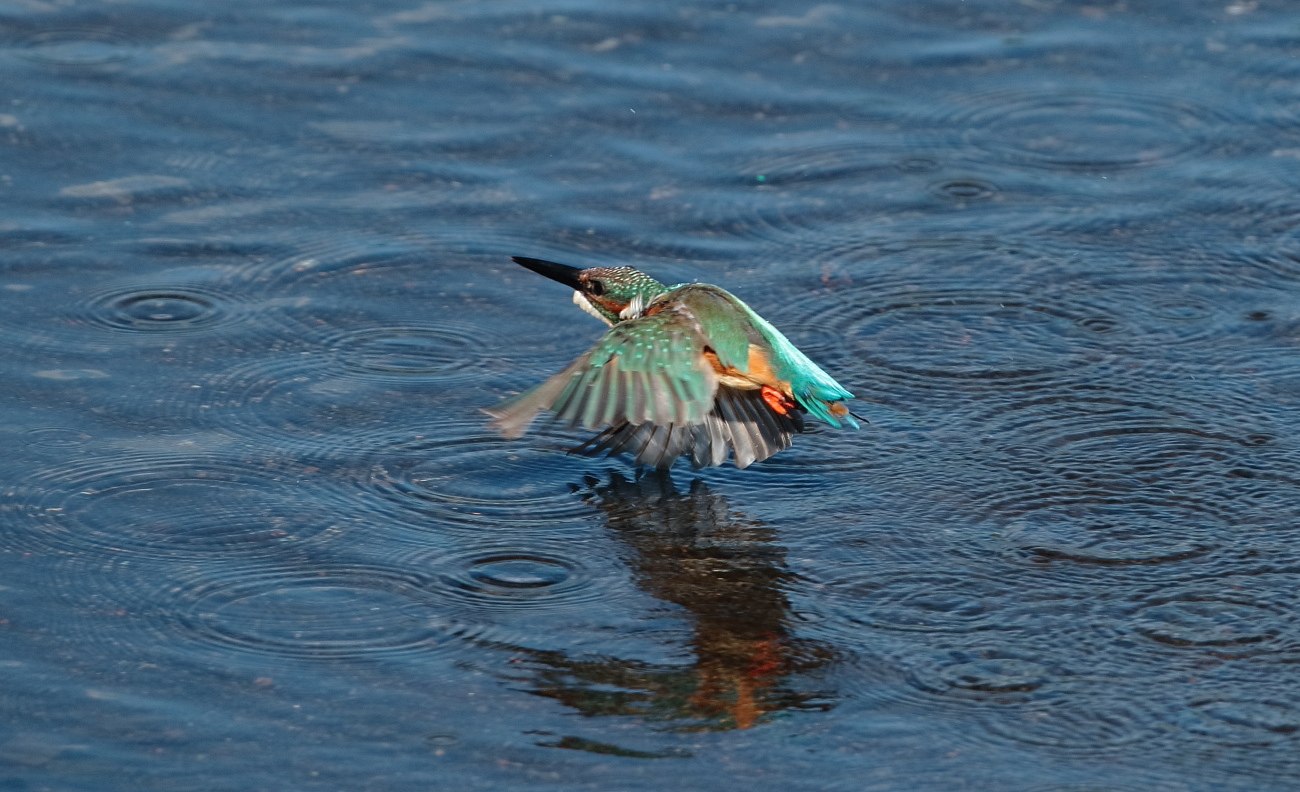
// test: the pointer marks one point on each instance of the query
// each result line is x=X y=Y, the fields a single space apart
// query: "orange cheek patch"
x=778 y=401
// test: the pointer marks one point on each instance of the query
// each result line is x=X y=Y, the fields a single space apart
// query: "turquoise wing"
x=814 y=389
x=733 y=326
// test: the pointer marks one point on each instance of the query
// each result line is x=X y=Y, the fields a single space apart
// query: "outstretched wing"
x=740 y=421
x=650 y=370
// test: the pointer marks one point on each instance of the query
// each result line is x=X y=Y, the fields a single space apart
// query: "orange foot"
x=780 y=403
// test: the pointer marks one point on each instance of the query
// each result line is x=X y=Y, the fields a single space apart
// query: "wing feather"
x=740 y=424
x=512 y=416
x=650 y=370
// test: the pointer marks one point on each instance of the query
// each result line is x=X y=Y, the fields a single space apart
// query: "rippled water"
x=254 y=533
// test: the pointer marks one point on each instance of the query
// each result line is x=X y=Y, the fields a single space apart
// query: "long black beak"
x=556 y=272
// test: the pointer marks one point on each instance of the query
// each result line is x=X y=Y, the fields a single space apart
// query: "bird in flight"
x=687 y=370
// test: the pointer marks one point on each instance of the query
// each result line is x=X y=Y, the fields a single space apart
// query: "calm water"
x=255 y=535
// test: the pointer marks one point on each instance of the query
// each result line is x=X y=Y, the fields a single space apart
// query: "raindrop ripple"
x=1077 y=130
x=164 y=507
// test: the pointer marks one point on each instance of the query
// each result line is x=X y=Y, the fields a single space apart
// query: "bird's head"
x=611 y=294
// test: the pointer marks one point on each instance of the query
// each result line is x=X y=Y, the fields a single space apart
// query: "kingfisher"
x=687 y=370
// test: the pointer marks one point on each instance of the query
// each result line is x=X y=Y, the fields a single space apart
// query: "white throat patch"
x=580 y=300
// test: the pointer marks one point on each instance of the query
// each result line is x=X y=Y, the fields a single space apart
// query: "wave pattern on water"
x=348 y=612
x=163 y=506
x=475 y=479
x=1078 y=130
x=255 y=289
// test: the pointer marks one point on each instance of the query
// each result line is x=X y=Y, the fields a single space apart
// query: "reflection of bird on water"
x=727 y=574
x=686 y=370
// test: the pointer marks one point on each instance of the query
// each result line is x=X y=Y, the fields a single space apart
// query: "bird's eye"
x=596 y=287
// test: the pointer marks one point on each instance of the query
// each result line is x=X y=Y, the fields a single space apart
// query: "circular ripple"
x=100 y=321
x=753 y=222
x=917 y=601
x=534 y=592
x=324 y=613
x=1195 y=622
x=995 y=674
x=345 y=283
x=77 y=46
x=511 y=572
x=1124 y=428
x=916 y=163
x=1081 y=722
x=433 y=351
x=55 y=437
x=816 y=163
x=788 y=197
x=1084 y=131
x=312 y=399
x=966 y=334
x=519 y=579
x=938 y=315
x=1242 y=722
x=161 y=309
x=1275 y=248
x=479 y=479
x=1065 y=524
x=965 y=190
x=1232 y=616
x=178 y=507
x=942 y=339
x=1161 y=312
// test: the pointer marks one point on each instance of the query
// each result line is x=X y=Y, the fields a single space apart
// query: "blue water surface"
x=255 y=285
